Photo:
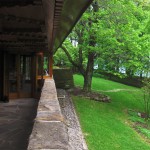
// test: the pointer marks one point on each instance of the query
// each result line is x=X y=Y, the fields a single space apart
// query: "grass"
x=106 y=126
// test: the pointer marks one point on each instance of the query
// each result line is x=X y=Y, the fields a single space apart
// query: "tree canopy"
x=115 y=35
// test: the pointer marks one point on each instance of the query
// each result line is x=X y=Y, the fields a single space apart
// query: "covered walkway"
x=29 y=124
x=30 y=33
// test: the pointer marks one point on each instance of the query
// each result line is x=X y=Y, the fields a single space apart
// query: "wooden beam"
x=21 y=43
x=15 y=2
x=25 y=50
x=25 y=33
x=48 y=8
x=37 y=29
x=21 y=37
x=21 y=19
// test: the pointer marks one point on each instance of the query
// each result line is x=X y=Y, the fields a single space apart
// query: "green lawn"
x=106 y=125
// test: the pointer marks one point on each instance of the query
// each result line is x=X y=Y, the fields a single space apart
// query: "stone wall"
x=63 y=78
x=49 y=131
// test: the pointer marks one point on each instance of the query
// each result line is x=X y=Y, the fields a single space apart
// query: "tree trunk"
x=87 y=82
x=141 y=74
x=129 y=73
x=91 y=55
x=89 y=73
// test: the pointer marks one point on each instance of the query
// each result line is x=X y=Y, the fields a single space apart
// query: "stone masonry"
x=49 y=131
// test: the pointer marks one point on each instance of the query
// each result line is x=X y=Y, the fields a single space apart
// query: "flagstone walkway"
x=16 y=123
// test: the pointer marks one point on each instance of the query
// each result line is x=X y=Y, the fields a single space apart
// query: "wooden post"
x=33 y=74
x=42 y=64
x=51 y=65
x=1 y=75
x=18 y=74
x=6 y=75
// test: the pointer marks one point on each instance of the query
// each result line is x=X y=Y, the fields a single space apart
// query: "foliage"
x=144 y=131
x=106 y=125
x=123 y=36
x=133 y=116
x=81 y=46
x=139 y=123
x=115 y=35
x=45 y=66
x=61 y=60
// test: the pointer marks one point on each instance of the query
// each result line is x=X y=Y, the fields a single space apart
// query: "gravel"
x=76 y=139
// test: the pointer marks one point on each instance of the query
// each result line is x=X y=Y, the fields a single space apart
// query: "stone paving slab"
x=16 y=122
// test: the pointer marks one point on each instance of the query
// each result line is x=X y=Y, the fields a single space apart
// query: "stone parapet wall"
x=49 y=131
x=63 y=78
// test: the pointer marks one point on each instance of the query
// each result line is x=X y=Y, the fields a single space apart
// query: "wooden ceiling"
x=37 y=25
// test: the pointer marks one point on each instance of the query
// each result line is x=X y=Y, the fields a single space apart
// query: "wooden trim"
x=44 y=77
x=36 y=73
x=51 y=66
x=33 y=76
x=21 y=93
x=13 y=95
x=18 y=73
x=6 y=74
x=42 y=64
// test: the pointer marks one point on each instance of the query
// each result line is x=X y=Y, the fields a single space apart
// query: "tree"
x=85 y=35
x=113 y=33
x=61 y=60
x=124 y=36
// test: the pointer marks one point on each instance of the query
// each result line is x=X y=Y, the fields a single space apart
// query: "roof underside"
x=37 y=25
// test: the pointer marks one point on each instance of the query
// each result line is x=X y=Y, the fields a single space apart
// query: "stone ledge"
x=48 y=135
x=49 y=149
x=49 y=131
